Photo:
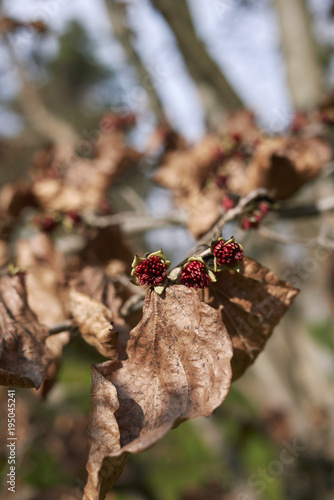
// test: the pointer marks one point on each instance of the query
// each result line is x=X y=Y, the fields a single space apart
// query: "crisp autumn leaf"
x=178 y=367
x=94 y=320
x=251 y=303
x=24 y=357
x=284 y=164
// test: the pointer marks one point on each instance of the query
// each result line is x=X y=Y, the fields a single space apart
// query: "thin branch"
x=232 y=214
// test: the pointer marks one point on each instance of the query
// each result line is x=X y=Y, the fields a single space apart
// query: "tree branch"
x=216 y=92
x=124 y=35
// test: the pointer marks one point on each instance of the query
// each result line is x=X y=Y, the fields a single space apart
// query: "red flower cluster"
x=227 y=253
x=151 y=272
x=194 y=275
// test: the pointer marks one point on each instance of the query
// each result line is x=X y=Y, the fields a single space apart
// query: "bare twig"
x=133 y=223
x=232 y=214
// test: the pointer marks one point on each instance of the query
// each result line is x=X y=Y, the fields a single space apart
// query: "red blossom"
x=45 y=223
x=193 y=275
x=228 y=253
x=74 y=216
x=227 y=203
x=152 y=271
x=264 y=208
x=251 y=222
x=221 y=181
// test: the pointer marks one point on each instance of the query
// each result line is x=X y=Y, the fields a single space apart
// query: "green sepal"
x=159 y=289
x=234 y=267
x=174 y=274
x=136 y=261
x=13 y=269
x=211 y=275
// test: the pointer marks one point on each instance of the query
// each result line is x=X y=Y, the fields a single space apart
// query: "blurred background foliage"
x=187 y=62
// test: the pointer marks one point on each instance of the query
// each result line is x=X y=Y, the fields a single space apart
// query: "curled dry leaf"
x=97 y=284
x=178 y=367
x=94 y=320
x=23 y=354
x=251 y=302
x=277 y=159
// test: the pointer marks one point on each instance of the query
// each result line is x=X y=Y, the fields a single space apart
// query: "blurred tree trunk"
x=124 y=35
x=217 y=94
x=303 y=70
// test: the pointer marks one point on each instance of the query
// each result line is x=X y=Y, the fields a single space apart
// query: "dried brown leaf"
x=24 y=357
x=44 y=280
x=94 y=320
x=251 y=302
x=103 y=466
x=186 y=171
x=284 y=164
x=81 y=184
x=178 y=367
x=204 y=209
x=242 y=123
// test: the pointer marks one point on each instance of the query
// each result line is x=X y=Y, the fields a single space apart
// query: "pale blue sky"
x=244 y=42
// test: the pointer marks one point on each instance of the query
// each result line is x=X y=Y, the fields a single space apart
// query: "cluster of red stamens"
x=252 y=219
x=227 y=253
x=151 y=272
x=193 y=275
